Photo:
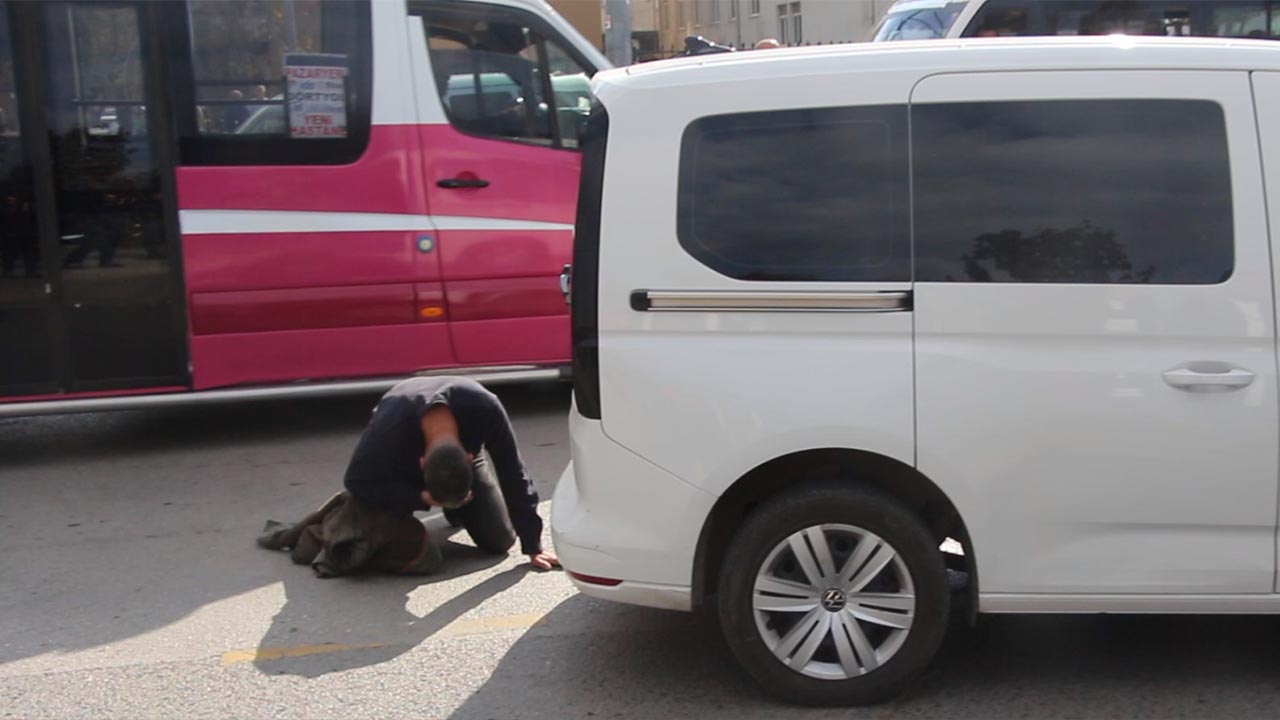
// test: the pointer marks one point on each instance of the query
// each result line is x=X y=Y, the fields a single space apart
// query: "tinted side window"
x=1097 y=191
x=797 y=195
x=502 y=74
x=276 y=82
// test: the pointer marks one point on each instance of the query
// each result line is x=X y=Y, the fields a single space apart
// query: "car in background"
x=930 y=19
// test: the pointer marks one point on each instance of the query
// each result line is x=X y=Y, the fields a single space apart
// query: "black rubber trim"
x=640 y=300
x=584 y=305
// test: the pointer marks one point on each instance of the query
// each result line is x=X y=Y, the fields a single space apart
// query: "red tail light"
x=594 y=580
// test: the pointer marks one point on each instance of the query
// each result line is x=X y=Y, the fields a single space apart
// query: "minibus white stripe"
x=237 y=222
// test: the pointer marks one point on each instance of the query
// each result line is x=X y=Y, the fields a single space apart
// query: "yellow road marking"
x=276 y=653
x=458 y=628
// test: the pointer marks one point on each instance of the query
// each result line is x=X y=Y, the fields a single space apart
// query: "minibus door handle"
x=458 y=183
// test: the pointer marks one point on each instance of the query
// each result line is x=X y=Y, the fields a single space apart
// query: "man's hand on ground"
x=544 y=560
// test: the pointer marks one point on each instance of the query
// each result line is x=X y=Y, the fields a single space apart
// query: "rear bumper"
x=622 y=520
x=569 y=524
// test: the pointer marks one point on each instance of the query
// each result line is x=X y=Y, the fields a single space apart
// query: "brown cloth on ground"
x=346 y=535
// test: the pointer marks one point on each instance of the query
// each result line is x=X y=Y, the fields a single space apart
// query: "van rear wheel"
x=834 y=596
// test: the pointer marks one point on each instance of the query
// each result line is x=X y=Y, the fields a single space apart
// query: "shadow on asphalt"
x=43 y=441
x=592 y=660
x=318 y=612
x=114 y=525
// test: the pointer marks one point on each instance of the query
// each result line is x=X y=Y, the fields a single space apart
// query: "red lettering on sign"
x=304 y=72
x=317 y=131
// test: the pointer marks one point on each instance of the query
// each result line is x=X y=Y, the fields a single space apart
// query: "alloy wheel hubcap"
x=833 y=601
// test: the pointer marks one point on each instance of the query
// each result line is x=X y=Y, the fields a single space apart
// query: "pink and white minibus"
x=221 y=199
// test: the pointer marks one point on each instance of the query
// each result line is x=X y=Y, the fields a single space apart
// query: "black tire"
x=864 y=508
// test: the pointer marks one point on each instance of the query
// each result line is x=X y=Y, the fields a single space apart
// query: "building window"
x=715 y=11
x=797 y=30
x=697 y=13
x=1073 y=191
x=783 y=35
x=755 y=8
x=733 y=9
x=798 y=195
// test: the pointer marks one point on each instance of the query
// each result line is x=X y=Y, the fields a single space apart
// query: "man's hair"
x=447 y=474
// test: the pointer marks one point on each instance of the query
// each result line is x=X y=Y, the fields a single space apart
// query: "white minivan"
x=865 y=333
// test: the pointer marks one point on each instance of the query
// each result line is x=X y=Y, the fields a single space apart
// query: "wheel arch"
x=779 y=475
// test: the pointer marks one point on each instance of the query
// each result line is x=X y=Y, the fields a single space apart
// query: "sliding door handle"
x=1224 y=378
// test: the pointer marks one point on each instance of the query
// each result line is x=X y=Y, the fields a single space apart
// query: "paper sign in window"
x=316 y=90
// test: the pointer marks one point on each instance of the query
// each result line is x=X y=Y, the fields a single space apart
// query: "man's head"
x=447 y=474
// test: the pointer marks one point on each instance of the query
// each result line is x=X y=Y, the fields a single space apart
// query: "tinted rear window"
x=797 y=195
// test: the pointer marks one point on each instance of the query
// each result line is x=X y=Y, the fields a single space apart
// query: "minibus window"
x=500 y=75
x=275 y=82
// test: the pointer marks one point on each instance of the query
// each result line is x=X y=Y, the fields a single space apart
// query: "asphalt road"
x=130 y=587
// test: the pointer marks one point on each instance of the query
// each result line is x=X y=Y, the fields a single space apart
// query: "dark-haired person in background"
x=422 y=449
